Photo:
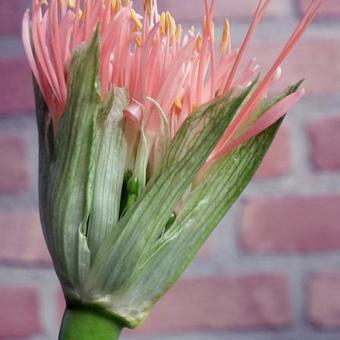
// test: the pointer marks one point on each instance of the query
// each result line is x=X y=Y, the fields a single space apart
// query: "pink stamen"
x=268 y=119
x=209 y=14
x=150 y=58
x=262 y=88
x=260 y=11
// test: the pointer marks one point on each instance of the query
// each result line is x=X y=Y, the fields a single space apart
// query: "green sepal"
x=161 y=264
x=71 y=171
x=142 y=157
x=207 y=205
x=109 y=172
x=46 y=150
x=138 y=230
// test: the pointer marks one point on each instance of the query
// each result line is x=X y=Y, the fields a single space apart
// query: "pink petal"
x=265 y=121
x=27 y=44
x=134 y=112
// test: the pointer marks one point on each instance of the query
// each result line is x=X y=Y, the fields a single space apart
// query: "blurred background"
x=271 y=271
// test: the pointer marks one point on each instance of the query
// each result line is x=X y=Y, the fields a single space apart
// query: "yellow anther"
x=139 y=41
x=179 y=31
x=178 y=103
x=199 y=43
x=136 y=20
x=171 y=24
x=116 y=5
x=162 y=20
x=71 y=3
x=148 y=5
x=225 y=36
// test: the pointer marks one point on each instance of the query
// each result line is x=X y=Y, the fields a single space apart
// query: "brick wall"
x=271 y=271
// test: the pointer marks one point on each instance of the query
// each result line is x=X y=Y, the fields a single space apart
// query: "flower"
x=147 y=136
x=167 y=73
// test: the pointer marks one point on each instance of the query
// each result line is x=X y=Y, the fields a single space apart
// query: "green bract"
x=117 y=244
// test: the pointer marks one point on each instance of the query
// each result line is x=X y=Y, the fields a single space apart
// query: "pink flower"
x=167 y=73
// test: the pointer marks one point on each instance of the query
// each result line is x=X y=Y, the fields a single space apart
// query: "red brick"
x=291 y=224
x=193 y=10
x=13 y=164
x=15 y=87
x=22 y=238
x=11 y=13
x=320 y=72
x=278 y=159
x=19 y=312
x=243 y=302
x=329 y=10
x=325 y=136
x=324 y=300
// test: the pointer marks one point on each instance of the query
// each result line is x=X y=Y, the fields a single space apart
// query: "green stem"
x=84 y=323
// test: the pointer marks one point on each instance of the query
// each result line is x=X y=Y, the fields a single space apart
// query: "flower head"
x=148 y=134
